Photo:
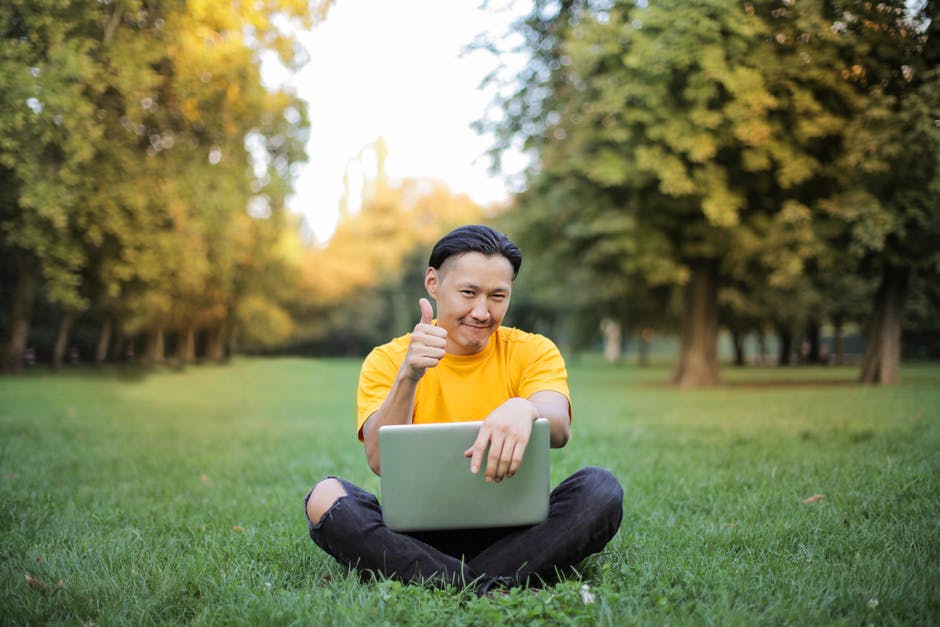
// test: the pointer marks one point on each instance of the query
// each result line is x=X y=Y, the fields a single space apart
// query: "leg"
x=350 y=528
x=322 y=497
x=584 y=514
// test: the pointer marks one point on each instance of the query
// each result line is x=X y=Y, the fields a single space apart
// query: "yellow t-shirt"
x=466 y=387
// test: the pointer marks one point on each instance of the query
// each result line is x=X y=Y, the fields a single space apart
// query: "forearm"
x=426 y=348
x=397 y=409
x=554 y=407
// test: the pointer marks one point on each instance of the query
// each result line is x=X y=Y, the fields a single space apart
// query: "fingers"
x=505 y=453
x=428 y=344
x=476 y=451
x=427 y=313
x=504 y=463
x=496 y=465
x=515 y=458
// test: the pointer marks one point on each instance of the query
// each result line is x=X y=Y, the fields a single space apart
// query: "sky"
x=395 y=70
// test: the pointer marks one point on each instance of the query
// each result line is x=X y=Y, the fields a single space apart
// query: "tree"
x=135 y=138
x=897 y=159
x=692 y=127
x=718 y=137
x=618 y=277
x=48 y=129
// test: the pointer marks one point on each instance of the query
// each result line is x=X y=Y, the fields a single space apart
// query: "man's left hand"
x=506 y=430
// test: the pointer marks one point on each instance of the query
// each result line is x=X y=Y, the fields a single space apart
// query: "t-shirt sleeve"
x=545 y=370
x=376 y=378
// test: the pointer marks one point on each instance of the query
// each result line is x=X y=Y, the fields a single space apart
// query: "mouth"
x=479 y=327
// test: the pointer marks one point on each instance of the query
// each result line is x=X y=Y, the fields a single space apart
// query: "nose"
x=480 y=311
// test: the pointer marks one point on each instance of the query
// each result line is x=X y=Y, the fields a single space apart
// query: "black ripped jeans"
x=584 y=514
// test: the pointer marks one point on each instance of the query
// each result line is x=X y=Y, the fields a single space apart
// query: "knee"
x=322 y=497
x=605 y=490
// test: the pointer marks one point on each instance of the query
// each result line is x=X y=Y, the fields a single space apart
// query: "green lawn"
x=177 y=498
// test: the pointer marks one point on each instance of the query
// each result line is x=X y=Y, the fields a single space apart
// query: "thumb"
x=427 y=314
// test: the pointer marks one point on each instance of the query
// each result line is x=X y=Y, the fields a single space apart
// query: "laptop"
x=427 y=484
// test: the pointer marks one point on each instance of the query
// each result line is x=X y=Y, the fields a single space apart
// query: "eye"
x=467 y=292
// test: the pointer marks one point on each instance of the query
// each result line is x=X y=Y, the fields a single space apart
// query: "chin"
x=474 y=343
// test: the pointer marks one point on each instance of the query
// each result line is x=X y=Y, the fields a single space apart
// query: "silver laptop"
x=427 y=483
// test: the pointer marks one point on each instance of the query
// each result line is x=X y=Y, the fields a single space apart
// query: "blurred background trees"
x=766 y=170
x=134 y=137
x=772 y=162
x=362 y=287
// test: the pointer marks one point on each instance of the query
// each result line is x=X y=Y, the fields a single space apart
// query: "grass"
x=170 y=497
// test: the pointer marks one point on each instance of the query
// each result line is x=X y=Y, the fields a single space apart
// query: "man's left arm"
x=557 y=409
x=508 y=427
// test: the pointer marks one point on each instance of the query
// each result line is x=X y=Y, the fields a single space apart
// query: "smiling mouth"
x=476 y=326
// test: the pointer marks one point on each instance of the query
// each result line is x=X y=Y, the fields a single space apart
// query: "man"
x=466 y=366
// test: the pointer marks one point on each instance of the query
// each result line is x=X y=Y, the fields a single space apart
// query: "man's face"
x=472 y=292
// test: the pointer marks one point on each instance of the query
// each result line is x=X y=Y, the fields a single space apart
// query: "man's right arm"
x=425 y=350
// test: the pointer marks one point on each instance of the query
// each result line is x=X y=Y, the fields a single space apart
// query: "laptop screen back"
x=427 y=483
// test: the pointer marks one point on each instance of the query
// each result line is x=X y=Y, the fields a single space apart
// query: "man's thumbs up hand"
x=428 y=344
x=427 y=314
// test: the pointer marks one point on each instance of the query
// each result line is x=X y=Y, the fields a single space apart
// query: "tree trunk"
x=882 y=360
x=62 y=339
x=737 y=341
x=232 y=340
x=130 y=352
x=646 y=342
x=813 y=333
x=21 y=308
x=762 y=348
x=612 y=339
x=186 y=350
x=215 y=348
x=156 y=347
x=104 y=341
x=785 y=350
x=838 y=342
x=698 y=347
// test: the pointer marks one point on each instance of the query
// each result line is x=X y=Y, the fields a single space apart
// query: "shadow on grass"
x=820 y=376
x=126 y=372
x=783 y=377
x=790 y=383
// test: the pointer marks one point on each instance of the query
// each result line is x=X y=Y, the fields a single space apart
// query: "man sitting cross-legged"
x=466 y=366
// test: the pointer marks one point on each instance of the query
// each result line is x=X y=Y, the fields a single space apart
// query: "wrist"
x=409 y=376
x=532 y=409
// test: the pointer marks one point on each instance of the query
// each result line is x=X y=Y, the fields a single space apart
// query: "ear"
x=431 y=282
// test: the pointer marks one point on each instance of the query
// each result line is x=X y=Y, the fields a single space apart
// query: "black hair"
x=475 y=238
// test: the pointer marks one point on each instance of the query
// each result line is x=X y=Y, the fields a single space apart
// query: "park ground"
x=782 y=496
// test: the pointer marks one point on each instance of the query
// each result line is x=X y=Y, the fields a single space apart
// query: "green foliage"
x=794 y=143
x=265 y=324
x=137 y=138
x=176 y=498
x=48 y=131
